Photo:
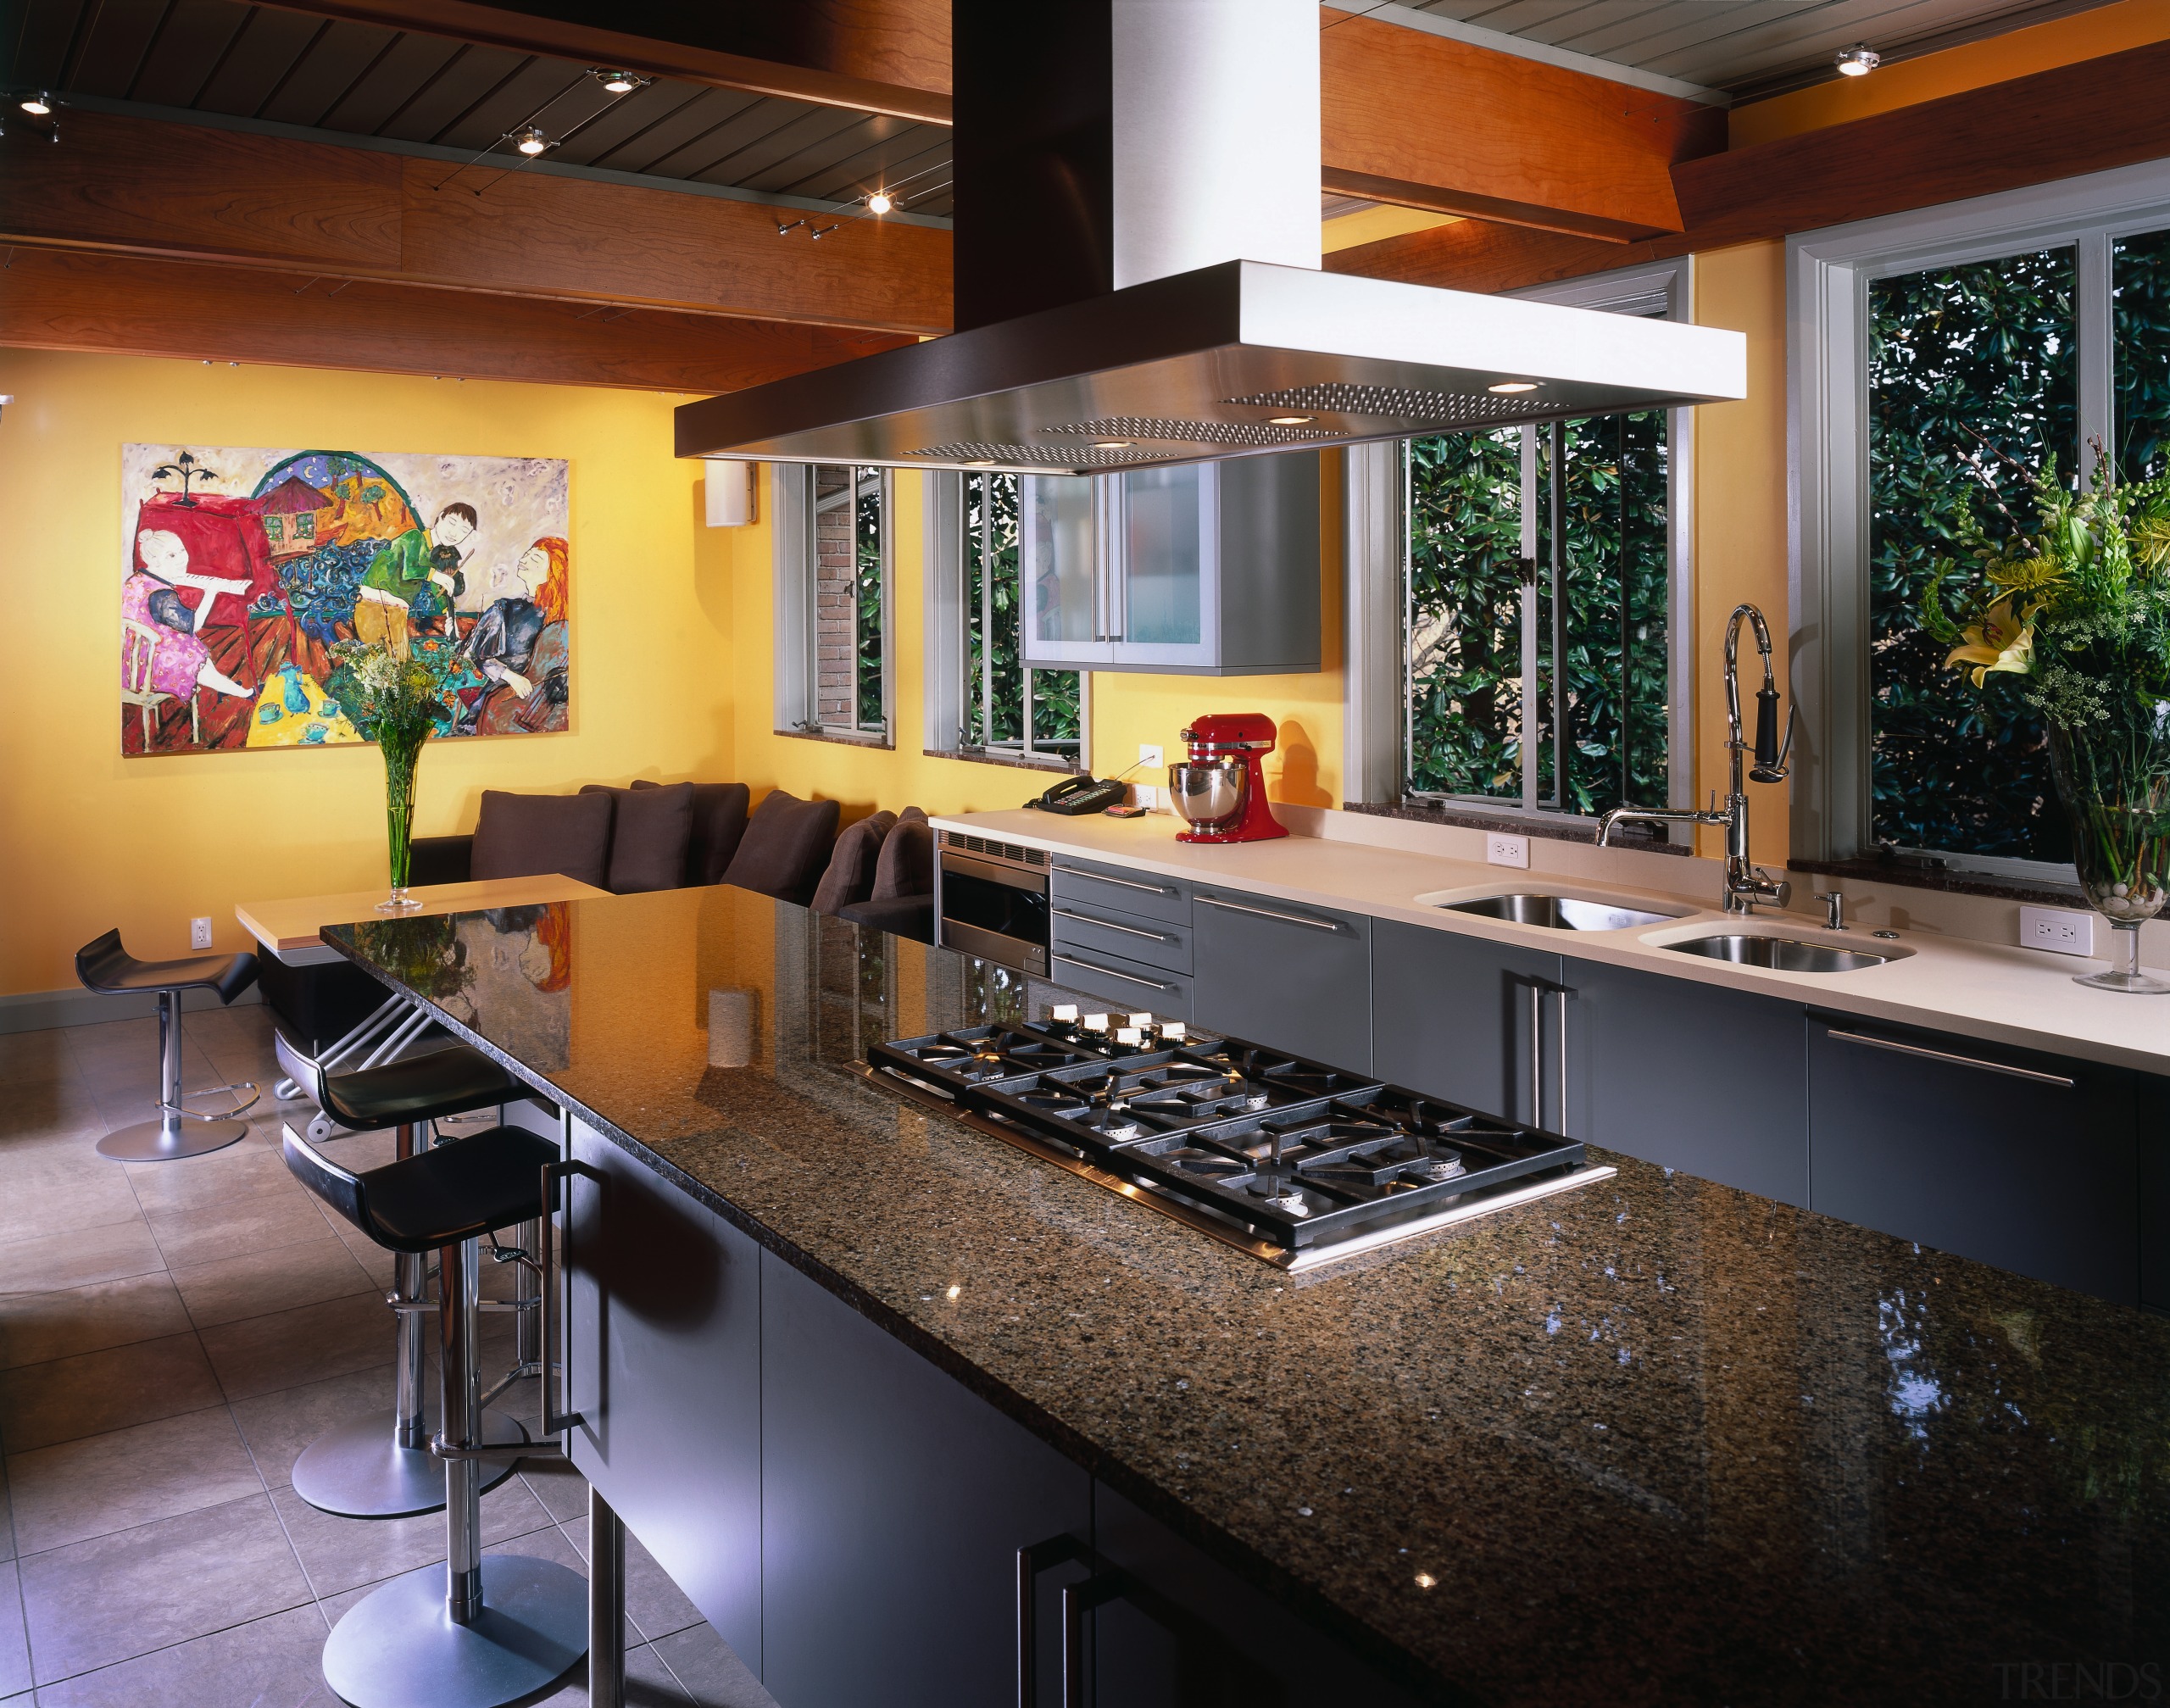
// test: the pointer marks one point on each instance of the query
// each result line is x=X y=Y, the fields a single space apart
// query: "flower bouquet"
x=396 y=702
x=2079 y=612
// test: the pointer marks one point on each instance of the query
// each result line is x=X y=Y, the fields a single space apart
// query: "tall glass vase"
x=2113 y=779
x=402 y=756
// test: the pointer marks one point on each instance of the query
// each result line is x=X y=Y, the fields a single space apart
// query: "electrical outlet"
x=1149 y=756
x=1145 y=795
x=200 y=933
x=2061 y=931
x=1506 y=850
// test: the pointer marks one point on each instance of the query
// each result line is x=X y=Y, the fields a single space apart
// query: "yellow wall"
x=2062 y=42
x=90 y=840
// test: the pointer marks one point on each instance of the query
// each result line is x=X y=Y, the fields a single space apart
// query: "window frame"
x=796 y=575
x=1828 y=277
x=946 y=700
x=1377 y=545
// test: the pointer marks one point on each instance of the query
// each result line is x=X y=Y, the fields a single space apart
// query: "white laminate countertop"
x=2001 y=993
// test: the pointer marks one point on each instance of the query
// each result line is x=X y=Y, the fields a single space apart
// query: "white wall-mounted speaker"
x=732 y=489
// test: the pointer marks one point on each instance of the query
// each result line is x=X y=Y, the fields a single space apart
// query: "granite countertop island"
x=1652 y=1441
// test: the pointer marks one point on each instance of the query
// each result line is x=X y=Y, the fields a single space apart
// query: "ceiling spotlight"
x=1507 y=389
x=531 y=141
x=37 y=103
x=1287 y=420
x=988 y=465
x=620 y=82
x=1856 y=61
x=1110 y=444
x=879 y=203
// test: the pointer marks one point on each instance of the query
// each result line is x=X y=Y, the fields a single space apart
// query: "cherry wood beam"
x=142 y=186
x=68 y=300
x=873 y=56
x=2088 y=117
x=1427 y=122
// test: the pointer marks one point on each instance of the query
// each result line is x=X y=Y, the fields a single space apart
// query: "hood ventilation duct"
x=1137 y=251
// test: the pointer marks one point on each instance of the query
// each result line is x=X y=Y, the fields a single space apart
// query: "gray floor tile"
x=52 y=1109
x=238 y=1171
x=58 y=1261
x=341 y=1554
x=281 y=1215
x=119 y=1596
x=274 y=1662
x=648 y=1684
x=95 y=1392
x=261 y=1354
x=558 y=1487
x=56 y=1185
x=33 y=1058
x=710 y=1672
x=14 y=1646
x=259 y=1282
x=7 y=1523
x=278 y=1425
x=657 y=1606
x=108 y=1482
x=38 y=1326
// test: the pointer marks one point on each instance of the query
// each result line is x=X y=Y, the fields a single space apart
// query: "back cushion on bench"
x=527 y=835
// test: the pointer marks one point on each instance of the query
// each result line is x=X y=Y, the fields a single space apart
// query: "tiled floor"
x=171 y=1335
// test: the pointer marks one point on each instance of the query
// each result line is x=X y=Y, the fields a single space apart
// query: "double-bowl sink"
x=1593 y=913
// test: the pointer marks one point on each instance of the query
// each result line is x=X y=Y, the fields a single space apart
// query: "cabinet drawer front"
x=1285 y=975
x=1103 y=931
x=1118 y=980
x=1124 y=889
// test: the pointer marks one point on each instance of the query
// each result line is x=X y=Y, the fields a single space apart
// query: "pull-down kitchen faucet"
x=1745 y=883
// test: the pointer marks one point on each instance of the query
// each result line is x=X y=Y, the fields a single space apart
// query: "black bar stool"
x=104 y=966
x=494 y=1630
x=376 y=1466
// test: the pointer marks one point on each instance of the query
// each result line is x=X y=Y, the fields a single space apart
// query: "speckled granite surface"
x=1656 y=1441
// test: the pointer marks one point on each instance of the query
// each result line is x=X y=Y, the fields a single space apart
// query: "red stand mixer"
x=1221 y=790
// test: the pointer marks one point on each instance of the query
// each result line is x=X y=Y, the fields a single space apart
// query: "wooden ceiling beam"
x=60 y=300
x=145 y=187
x=2030 y=130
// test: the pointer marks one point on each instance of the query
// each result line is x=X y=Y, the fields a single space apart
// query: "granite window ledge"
x=1056 y=764
x=842 y=738
x=1553 y=830
x=1950 y=880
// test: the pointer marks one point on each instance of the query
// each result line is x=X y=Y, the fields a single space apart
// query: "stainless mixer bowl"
x=1209 y=794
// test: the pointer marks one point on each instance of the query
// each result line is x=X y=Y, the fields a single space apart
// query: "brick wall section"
x=835 y=675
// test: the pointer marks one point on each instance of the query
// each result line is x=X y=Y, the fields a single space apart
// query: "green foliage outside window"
x=2140 y=280
x=995 y=700
x=1971 y=384
x=867 y=578
x=1465 y=615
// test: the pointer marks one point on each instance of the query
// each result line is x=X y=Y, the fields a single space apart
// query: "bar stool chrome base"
x=398 y=1646
x=171 y=1138
x=359 y=1471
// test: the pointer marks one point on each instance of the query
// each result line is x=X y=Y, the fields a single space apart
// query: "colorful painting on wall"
x=244 y=568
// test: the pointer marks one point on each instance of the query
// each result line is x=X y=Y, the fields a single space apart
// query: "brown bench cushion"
x=718 y=822
x=850 y=875
x=786 y=846
x=650 y=831
x=906 y=866
x=528 y=835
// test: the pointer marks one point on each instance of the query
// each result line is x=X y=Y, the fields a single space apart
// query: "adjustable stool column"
x=483 y=1632
x=379 y=1465
x=104 y=966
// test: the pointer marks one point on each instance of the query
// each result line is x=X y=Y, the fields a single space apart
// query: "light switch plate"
x=200 y=933
x=1501 y=850
x=2061 y=931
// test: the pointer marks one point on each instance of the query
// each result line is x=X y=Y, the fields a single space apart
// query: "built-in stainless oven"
x=991 y=898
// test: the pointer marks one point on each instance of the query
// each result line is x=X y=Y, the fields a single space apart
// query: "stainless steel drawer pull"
x=555 y=1421
x=1268 y=913
x=1109 y=925
x=1126 y=883
x=1114 y=972
x=2057 y=1079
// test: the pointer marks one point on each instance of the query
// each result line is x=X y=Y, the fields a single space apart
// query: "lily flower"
x=1999 y=642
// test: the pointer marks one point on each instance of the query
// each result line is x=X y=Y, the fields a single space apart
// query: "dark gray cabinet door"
x=1466 y=1019
x=1182 y=1631
x=1692 y=1076
x=663 y=1350
x=2026 y=1161
x=1285 y=976
x=895 y=1503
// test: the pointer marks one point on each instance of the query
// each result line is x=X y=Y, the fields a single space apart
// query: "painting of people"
x=244 y=568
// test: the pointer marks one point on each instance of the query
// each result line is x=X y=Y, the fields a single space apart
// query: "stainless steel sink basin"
x=1781 y=953
x=1560 y=912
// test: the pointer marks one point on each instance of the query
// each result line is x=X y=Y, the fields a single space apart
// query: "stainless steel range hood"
x=1106 y=320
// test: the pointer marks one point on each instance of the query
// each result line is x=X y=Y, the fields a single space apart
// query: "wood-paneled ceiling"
x=1749 y=48
x=346 y=78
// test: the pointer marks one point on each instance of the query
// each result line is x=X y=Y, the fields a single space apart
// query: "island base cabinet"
x=663 y=1363
x=2027 y=1162
x=895 y=1503
x=1174 y=1629
x=1467 y=1020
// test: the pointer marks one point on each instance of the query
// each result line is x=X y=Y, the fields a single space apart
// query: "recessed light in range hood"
x=1103 y=324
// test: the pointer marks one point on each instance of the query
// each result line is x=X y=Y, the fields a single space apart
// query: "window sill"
x=838 y=739
x=1872 y=869
x=1425 y=813
x=1035 y=762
